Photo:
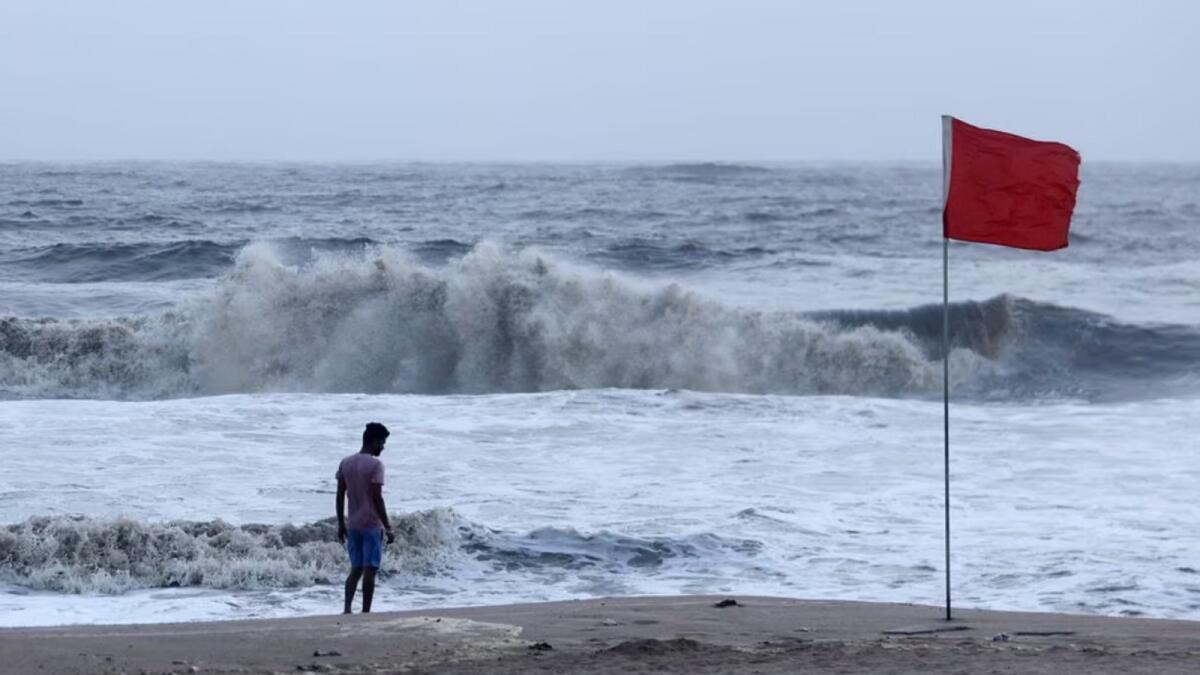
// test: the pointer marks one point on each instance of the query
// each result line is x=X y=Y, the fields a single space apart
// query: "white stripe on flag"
x=947 y=158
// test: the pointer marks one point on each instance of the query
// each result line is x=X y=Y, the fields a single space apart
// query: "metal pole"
x=946 y=401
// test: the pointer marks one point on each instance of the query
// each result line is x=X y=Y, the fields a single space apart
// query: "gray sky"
x=591 y=79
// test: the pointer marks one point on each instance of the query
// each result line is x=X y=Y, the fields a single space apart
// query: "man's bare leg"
x=368 y=588
x=352 y=585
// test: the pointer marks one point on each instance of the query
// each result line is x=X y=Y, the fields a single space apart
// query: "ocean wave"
x=244 y=206
x=90 y=262
x=442 y=250
x=79 y=554
x=376 y=320
x=46 y=202
x=700 y=172
x=492 y=321
x=713 y=168
x=637 y=253
x=76 y=554
x=1039 y=349
x=568 y=548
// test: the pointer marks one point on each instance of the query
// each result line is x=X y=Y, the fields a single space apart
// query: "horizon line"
x=528 y=161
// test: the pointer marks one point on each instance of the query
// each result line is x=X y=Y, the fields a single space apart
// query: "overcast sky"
x=591 y=79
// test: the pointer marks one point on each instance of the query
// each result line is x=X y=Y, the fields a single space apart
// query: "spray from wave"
x=491 y=321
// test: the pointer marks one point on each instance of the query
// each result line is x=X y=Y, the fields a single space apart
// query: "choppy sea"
x=600 y=380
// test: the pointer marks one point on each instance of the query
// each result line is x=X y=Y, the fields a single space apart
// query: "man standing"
x=360 y=477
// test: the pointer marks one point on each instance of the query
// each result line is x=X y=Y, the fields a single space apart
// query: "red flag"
x=1005 y=189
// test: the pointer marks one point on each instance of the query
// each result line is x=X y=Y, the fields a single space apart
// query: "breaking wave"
x=491 y=321
x=376 y=320
x=92 y=555
x=77 y=554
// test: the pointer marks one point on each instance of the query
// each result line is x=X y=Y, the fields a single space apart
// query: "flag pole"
x=947 y=130
x=946 y=402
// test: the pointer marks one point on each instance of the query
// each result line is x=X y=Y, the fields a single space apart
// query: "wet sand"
x=688 y=634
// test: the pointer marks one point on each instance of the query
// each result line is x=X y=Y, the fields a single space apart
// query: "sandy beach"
x=691 y=634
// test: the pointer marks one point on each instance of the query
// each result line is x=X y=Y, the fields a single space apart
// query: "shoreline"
x=671 y=634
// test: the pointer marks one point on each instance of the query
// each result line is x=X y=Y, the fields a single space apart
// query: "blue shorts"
x=365 y=547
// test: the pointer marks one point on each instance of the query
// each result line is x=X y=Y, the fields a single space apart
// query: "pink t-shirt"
x=359 y=471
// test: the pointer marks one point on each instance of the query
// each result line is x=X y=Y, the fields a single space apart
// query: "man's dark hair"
x=375 y=432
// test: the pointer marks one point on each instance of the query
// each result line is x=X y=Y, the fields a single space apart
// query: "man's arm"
x=381 y=509
x=341 y=510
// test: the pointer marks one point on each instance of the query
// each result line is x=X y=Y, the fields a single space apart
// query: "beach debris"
x=540 y=647
x=727 y=602
x=314 y=668
x=330 y=652
x=927 y=629
x=610 y=622
x=1001 y=637
x=653 y=647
